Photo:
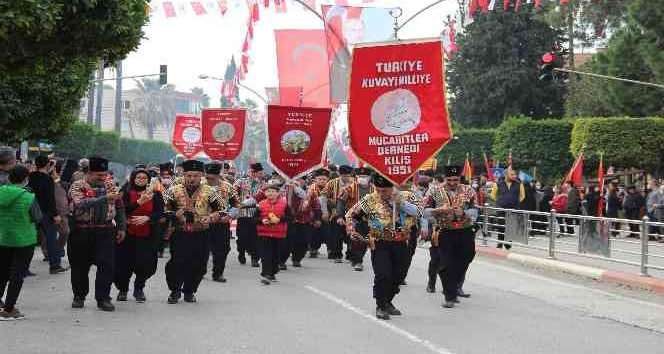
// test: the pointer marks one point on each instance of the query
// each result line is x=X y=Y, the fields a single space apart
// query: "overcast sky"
x=191 y=45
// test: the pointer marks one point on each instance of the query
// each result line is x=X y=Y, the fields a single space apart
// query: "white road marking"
x=569 y=285
x=413 y=338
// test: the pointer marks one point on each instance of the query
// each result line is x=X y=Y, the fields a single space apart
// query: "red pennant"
x=538 y=3
x=506 y=4
x=223 y=132
x=266 y=3
x=255 y=13
x=296 y=138
x=397 y=113
x=223 y=7
x=187 y=135
x=169 y=9
x=198 y=7
x=518 y=4
x=600 y=183
x=575 y=175
x=484 y=6
x=250 y=29
x=472 y=8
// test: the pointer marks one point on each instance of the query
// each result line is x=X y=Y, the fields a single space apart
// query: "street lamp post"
x=205 y=77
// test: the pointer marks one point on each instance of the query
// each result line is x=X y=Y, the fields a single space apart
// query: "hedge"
x=541 y=143
x=471 y=141
x=625 y=142
x=84 y=140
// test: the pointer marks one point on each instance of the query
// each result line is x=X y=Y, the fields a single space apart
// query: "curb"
x=655 y=285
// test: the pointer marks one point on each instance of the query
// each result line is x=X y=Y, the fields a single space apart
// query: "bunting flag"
x=397 y=113
x=344 y=27
x=575 y=175
x=296 y=138
x=280 y=6
x=187 y=135
x=223 y=7
x=600 y=183
x=169 y=9
x=223 y=132
x=198 y=7
x=302 y=62
x=266 y=3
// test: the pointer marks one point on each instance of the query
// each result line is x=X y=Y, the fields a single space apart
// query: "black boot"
x=254 y=262
x=431 y=286
x=191 y=298
x=393 y=311
x=242 y=259
x=105 y=305
x=282 y=266
x=381 y=314
x=78 y=303
x=122 y=296
x=219 y=278
x=174 y=297
x=139 y=295
x=461 y=293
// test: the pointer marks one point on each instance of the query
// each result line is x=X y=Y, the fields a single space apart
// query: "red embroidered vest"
x=279 y=210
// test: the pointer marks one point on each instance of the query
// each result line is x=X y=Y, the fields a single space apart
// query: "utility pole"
x=100 y=94
x=118 y=97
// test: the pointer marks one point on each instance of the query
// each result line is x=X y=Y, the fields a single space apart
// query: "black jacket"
x=44 y=188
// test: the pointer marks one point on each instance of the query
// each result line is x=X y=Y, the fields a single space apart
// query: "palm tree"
x=155 y=106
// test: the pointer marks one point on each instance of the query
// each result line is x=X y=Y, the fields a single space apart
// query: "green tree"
x=155 y=106
x=624 y=58
x=648 y=18
x=585 y=96
x=494 y=74
x=49 y=50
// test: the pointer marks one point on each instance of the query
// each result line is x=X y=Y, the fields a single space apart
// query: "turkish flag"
x=397 y=114
x=575 y=175
x=187 y=135
x=296 y=138
x=223 y=132
x=223 y=7
x=302 y=62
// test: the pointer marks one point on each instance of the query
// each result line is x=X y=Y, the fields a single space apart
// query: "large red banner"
x=397 y=115
x=187 y=135
x=223 y=132
x=296 y=138
x=302 y=62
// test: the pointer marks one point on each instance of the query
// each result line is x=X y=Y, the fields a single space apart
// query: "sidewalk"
x=652 y=283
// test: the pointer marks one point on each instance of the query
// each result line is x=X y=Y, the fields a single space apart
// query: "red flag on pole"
x=397 y=114
x=489 y=170
x=296 y=138
x=575 y=175
x=187 y=135
x=223 y=132
x=600 y=182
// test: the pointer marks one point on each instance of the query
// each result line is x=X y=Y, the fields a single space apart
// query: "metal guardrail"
x=594 y=237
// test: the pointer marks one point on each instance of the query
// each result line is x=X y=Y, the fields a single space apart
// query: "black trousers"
x=246 y=237
x=295 y=244
x=220 y=246
x=316 y=237
x=412 y=247
x=162 y=242
x=269 y=250
x=388 y=260
x=14 y=264
x=457 y=250
x=85 y=248
x=188 y=263
x=435 y=268
x=357 y=251
x=337 y=236
x=135 y=255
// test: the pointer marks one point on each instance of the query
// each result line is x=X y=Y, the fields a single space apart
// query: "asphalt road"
x=327 y=308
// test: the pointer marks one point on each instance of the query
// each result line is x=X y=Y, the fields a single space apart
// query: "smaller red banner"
x=187 y=135
x=296 y=138
x=223 y=132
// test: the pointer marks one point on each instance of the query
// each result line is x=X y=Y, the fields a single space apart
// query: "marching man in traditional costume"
x=319 y=233
x=452 y=206
x=250 y=191
x=220 y=232
x=337 y=225
x=390 y=220
x=348 y=197
x=195 y=206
